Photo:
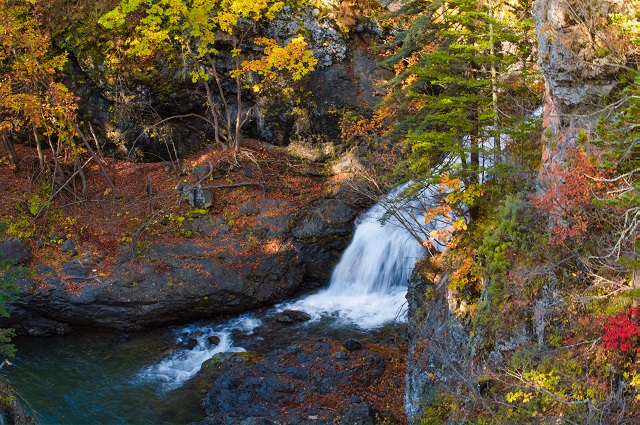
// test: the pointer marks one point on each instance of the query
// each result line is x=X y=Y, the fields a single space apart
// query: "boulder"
x=352 y=344
x=69 y=245
x=292 y=316
x=15 y=250
x=359 y=414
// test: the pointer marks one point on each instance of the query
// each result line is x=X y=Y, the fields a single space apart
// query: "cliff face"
x=124 y=106
x=581 y=59
x=437 y=341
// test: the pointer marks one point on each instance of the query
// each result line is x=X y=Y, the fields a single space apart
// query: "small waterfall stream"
x=369 y=283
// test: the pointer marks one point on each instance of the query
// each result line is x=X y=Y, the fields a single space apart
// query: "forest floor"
x=146 y=205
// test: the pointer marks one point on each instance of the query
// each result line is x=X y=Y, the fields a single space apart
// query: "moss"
x=221 y=362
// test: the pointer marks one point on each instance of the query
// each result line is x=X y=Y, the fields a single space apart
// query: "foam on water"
x=369 y=283
x=183 y=363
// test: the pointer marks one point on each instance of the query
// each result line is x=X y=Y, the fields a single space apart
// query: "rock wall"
x=438 y=356
x=223 y=272
x=124 y=105
x=580 y=56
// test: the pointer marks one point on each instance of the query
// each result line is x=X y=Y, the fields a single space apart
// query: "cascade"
x=367 y=290
x=369 y=283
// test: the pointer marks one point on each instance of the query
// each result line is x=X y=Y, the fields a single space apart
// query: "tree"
x=455 y=64
x=448 y=63
x=200 y=31
x=31 y=98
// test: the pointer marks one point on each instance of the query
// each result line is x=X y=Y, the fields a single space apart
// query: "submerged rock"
x=292 y=316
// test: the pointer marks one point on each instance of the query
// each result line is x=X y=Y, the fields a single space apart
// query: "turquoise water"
x=93 y=378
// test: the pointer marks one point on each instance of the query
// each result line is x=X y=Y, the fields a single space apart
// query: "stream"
x=151 y=377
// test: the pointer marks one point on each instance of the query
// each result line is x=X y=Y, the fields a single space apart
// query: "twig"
x=95 y=157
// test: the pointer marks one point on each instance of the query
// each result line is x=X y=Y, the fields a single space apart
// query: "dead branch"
x=96 y=158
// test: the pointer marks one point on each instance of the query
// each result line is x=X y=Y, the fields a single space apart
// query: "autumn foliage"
x=567 y=195
x=622 y=332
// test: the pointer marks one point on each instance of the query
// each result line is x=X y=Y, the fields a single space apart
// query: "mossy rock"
x=221 y=362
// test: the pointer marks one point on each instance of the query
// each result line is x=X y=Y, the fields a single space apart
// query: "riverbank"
x=274 y=226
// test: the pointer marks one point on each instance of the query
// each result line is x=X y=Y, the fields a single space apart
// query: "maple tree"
x=199 y=30
x=31 y=97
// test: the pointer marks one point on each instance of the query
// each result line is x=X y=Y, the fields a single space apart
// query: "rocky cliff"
x=123 y=103
x=285 y=251
x=581 y=58
x=458 y=360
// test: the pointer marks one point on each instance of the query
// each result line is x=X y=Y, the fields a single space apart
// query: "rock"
x=220 y=363
x=213 y=340
x=257 y=421
x=15 y=250
x=192 y=343
x=293 y=316
x=351 y=344
x=328 y=216
x=341 y=355
x=430 y=363
x=248 y=208
x=283 y=387
x=348 y=163
x=308 y=151
x=76 y=271
x=68 y=245
x=192 y=280
x=203 y=225
x=202 y=170
x=247 y=170
x=199 y=197
x=360 y=414
x=13 y=411
x=577 y=76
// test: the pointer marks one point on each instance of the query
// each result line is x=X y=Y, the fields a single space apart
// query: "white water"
x=182 y=364
x=367 y=290
x=369 y=284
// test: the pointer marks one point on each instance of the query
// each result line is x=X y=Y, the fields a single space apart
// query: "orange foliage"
x=569 y=188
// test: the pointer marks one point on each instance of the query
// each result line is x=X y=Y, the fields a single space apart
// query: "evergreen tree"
x=450 y=63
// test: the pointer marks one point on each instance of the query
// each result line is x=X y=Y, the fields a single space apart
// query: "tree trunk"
x=236 y=142
x=497 y=149
x=214 y=113
x=96 y=159
x=38 y=147
x=11 y=150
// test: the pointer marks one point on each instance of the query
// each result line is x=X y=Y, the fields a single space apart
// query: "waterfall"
x=367 y=290
x=369 y=283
